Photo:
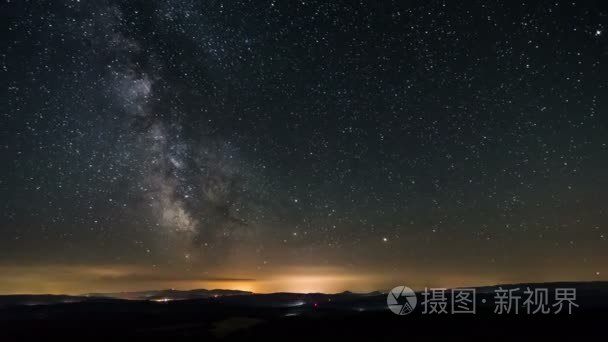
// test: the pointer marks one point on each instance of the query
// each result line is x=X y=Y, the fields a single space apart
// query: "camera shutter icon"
x=401 y=300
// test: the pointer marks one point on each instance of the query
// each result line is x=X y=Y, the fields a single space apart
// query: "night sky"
x=302 y=145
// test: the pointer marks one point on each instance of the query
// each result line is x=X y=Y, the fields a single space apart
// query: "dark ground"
x=295 y=317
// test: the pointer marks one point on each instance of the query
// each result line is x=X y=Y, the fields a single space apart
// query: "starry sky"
x=302 y=145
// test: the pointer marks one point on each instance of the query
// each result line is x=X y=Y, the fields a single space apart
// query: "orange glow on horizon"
x=80 y=279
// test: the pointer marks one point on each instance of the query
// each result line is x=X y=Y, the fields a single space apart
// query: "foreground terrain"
x=235 y=315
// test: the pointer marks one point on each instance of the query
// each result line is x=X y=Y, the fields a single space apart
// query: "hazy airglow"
x=80 y=279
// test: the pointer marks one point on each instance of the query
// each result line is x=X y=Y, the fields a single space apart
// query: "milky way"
x=190 y=181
